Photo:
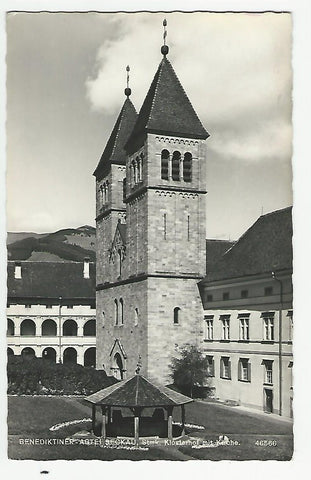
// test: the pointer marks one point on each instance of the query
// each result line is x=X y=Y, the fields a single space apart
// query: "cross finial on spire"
x=127 y=91
x=138 y=366
x=164 y=48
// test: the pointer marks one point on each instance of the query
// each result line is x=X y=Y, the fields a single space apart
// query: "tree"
x=189 y=369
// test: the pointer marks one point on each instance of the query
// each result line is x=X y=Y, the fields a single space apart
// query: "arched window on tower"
x=124 y=189
x=176 y=166
x=101 y=195
x=116 y=312
x=134 y=174
x=138 y=169
x=165 y=156
x=187 y=167
x=107 y=192
x=176 y=316
x=121 y=312
x=141 y=161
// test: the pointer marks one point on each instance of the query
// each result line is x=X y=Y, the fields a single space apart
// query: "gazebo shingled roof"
x=137 y=391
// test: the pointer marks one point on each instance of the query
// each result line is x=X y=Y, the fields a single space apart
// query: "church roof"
x=266 y=246
x=137 y=391
x=114 y=151
x=50 y=280
x=167 y=109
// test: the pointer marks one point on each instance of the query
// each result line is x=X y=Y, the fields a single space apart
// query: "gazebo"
x=137 y=393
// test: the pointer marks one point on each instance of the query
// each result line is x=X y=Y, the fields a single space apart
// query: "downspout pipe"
x=280 y=340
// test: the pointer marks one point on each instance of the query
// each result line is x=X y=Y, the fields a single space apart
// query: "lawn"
x=251 y=436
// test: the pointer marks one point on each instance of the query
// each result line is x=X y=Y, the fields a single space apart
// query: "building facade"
x=51 y=311
x=248 y=318
x=150 y=185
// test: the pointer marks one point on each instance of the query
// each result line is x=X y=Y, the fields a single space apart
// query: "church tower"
x=151 y=301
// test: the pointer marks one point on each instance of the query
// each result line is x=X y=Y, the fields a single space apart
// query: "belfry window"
x=164 y=164
x=124 y=188
x=137 y=180
x=187 y=170
x=134 y=172
x=176 y=166
x=140 y=168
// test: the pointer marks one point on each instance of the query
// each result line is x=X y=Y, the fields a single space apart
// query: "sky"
x=65 y=81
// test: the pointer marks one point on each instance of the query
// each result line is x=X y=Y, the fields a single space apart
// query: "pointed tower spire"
x=114 y=151
x=164 y=48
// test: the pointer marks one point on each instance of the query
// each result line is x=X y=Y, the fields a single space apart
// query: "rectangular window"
x=268 y=373
x=225 y=296
x=210 y=366
x=268 y=291
x=188 y=228
x=48 y=306
x=225 y=320
x=244 y=328
x=209 y=298
x=69 y=306
x=225 y=368
x=27 y=306
x=209 y=326
x=244 y=370
x=244 y=293
x=268 y=326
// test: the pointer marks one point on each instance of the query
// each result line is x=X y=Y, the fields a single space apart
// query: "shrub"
x=39 y=376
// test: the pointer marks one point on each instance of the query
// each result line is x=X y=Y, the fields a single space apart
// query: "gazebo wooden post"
x=109 y=416
x=103 y=432
x=137 y=412
x=170 y=422
x=93 y=417
x=183 y=418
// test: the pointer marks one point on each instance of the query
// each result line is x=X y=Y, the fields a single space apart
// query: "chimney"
x=86 y=268
x=18 y=270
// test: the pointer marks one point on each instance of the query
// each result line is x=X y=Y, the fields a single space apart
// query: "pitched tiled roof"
x=114 y=151
x=51 y=280
x=167 y=108
x=137 y=391
x=266 y=246
x=214 y=250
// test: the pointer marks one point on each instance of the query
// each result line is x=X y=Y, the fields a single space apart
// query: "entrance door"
x=268 y=399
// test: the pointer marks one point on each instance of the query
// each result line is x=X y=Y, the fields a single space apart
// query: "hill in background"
x=66 y=245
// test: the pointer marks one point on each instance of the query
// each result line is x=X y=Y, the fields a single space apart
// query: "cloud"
x=235 y=68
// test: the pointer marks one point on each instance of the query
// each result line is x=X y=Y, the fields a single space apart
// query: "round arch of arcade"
x=49 y=327
x=82 y=355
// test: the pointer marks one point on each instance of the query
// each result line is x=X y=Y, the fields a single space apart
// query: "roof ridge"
x=156 y=90
x=121 y=117
x=184 y=91
x=276 y=211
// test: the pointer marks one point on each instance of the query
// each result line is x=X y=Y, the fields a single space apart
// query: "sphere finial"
x=164 y=48
x=127 y=91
